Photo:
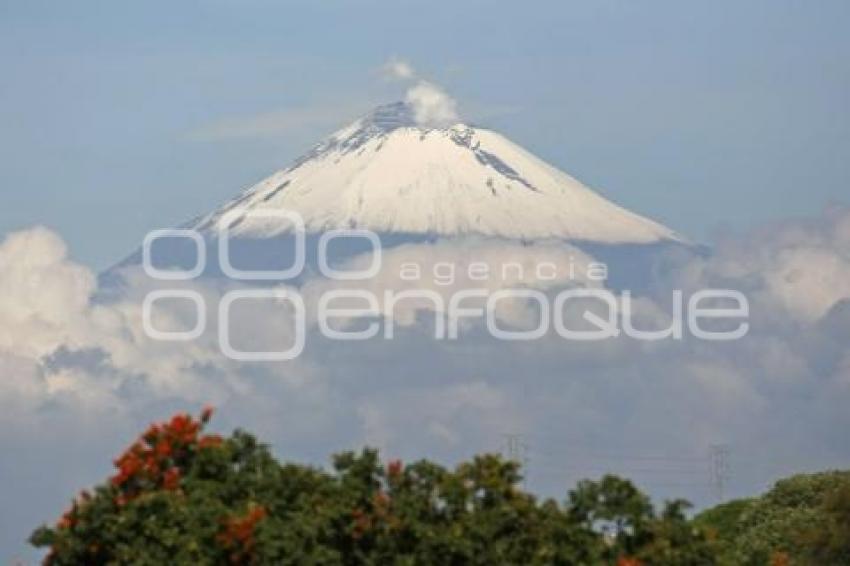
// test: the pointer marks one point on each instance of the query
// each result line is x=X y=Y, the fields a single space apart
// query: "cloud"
x=455 y=415
x=450 y=266
x=398 y=69
x=276 y=123
x=432 y=107
x=794 y=271
x=43 y=296
x=76 y=369
x=68 y=344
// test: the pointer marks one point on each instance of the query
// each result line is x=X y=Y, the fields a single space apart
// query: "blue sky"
x=706 y=116
x=716 y=118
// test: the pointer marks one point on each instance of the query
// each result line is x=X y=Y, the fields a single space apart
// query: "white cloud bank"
x=44 y=296
x=76 y=369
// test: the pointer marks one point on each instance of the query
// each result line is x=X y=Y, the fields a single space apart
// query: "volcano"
x=411 y=183
x=387 y=174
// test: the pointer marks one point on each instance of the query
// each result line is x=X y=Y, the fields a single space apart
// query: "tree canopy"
x=803 y=520
x=182 y=496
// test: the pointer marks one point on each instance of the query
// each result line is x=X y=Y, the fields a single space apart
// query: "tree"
x=804 y=519
x=632 y=531
x=829 y=541
x=181 y=496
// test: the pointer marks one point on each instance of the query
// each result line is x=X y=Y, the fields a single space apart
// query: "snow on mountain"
x=386 y=174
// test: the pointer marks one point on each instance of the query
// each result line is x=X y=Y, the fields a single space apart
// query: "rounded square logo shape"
x=174 y=336
x=532 y=294
x=345 y=275
x=244 y=356
x=169 y=274
x=261 y=275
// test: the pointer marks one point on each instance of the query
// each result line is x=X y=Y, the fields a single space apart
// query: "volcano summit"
x=387 y=174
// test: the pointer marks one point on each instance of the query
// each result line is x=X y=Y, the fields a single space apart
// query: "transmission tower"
x=719 y=470
x=516 y=450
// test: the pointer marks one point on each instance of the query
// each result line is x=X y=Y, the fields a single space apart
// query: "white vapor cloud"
x=398 y=69
x=432 y=106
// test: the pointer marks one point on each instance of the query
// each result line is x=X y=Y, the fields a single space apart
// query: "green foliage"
x=723 y=521
x=803 y=520
x=180 y=496
x=626 y=518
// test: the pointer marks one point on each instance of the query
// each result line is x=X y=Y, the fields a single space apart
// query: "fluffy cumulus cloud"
x=798 y=269
x=44 y=297
x=78 y=373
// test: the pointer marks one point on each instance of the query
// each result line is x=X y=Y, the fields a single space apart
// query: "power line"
x=654 y=469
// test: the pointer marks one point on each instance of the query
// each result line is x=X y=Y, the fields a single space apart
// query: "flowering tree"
x=181 y=496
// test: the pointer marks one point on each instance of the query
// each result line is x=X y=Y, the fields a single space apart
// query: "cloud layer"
x=77 y=370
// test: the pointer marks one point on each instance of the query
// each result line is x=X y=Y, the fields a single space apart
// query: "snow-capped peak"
x=387 y=173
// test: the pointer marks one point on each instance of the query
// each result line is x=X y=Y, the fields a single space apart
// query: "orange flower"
x=146 y=459
x=163 y=448
x=239 y=532
x=180 y=423
x=171 y=479
x=66 y=522
x=152 y=432
x=128 y=465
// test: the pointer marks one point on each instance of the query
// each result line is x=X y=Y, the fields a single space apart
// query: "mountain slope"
x=386 y=174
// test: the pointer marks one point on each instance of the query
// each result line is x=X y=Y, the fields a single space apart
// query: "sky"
x=726 y=121
x=709 y=116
